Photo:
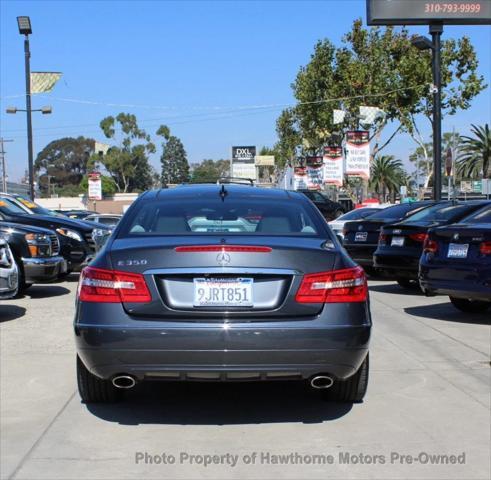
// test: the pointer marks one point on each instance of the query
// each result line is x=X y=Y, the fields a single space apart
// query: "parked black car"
x=456 y=261
x=36 y=252
x=401 y=244
x=329 y=209
x=76 y=214
x=76 y=237
x=361 y=236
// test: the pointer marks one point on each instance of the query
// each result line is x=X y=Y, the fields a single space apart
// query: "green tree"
x=386 y=175
x=65 y=161
x=175 y=166
x=127 y=164
x=475 y=158
x=378 y=67
x=209 y=171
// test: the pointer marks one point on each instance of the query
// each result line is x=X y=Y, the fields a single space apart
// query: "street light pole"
x=27 y=54
x=436 y=32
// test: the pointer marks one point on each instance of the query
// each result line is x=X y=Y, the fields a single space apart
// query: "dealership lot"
x=428 y=396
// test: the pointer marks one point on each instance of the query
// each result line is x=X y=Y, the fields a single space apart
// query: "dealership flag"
x=43 y=82
x=333 y=166
x=358 y=154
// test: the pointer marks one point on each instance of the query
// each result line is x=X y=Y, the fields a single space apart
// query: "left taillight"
x=339 y=286
x=110 y=286
x=485 y=248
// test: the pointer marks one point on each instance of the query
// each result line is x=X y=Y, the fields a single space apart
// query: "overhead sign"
x=95 y=186
x=358 y=154
x=265 y=160
x=333 y=166
x=424 y=12
x=243 y=154
x=466 y=186
x=244 y=170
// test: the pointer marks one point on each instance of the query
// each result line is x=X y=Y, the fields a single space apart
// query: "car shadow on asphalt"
x=11 y=312
x=448 y=313
x=220 y=404
x=45 y=291
x=394 y=288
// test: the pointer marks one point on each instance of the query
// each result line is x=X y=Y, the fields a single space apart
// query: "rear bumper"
x=361 y=254
x=396 y=265
x=40 y=270
x=222 y=351
x=461 y=282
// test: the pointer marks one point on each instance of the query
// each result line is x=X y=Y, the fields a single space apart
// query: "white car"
x=357 y=214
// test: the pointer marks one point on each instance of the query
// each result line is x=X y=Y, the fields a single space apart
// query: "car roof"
x=202 y=189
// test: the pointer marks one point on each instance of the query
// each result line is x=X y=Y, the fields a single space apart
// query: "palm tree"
x=475 y=158
x=386 y=175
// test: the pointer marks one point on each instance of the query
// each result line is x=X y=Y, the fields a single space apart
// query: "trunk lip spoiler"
x=235 y=270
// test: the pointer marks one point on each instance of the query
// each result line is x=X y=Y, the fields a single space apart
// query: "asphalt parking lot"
x=429 y=395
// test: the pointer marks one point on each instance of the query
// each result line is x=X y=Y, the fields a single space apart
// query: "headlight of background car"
x=70 y=234
x=39 y=244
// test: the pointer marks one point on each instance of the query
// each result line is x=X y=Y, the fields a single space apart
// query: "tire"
x=470 y=306
x=93 y=389
x=351 y=390
x=408 y=284
x=23 y=286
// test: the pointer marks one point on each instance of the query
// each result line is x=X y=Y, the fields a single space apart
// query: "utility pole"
x=4 y=168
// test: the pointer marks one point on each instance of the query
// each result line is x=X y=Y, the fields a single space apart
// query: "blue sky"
x=187 y=64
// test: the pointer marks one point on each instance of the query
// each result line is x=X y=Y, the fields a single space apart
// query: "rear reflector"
x=430 y=246
x=485 y=248
x=338 y=286
x=110 y=286
x=419 y=237
x=223 y=248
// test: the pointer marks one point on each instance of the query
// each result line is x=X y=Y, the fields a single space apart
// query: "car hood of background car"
x=68 y=223
x=24 y=228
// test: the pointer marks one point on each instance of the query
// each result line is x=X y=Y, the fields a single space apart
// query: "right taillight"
x=109 y=286
x=338 y=286
x=485 y=248
x=430 y=246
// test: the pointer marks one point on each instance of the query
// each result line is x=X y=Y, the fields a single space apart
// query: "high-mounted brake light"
x=223 y=248
x=110 y=286
x=419 y=237
x=485 y=248
x=339 y=286
x=430 y=246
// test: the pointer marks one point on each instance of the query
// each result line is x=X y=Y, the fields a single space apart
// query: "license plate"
x=397 y=242
x=223 y=292
x=457 y=250
x=361 y=236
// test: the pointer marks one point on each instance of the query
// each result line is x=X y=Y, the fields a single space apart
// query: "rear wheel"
x=352 y=389
x=93 y=389
x=470 y=306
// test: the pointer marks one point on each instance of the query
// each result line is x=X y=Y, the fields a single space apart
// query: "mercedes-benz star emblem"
x=456 y=236
x=223 y=259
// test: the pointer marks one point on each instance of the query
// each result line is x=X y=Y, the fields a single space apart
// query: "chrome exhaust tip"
x=321 y=381
x=124 y=381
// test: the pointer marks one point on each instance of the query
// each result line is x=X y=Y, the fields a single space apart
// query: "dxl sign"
x=243 y=154
x=424 y=12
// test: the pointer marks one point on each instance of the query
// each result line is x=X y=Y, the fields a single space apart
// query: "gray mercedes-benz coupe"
x=222 y=283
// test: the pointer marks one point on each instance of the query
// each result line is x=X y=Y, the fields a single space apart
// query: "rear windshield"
x=438 y=213
x=250 y=216
x=358 y=213
x=396 y=212
x=481 y=216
